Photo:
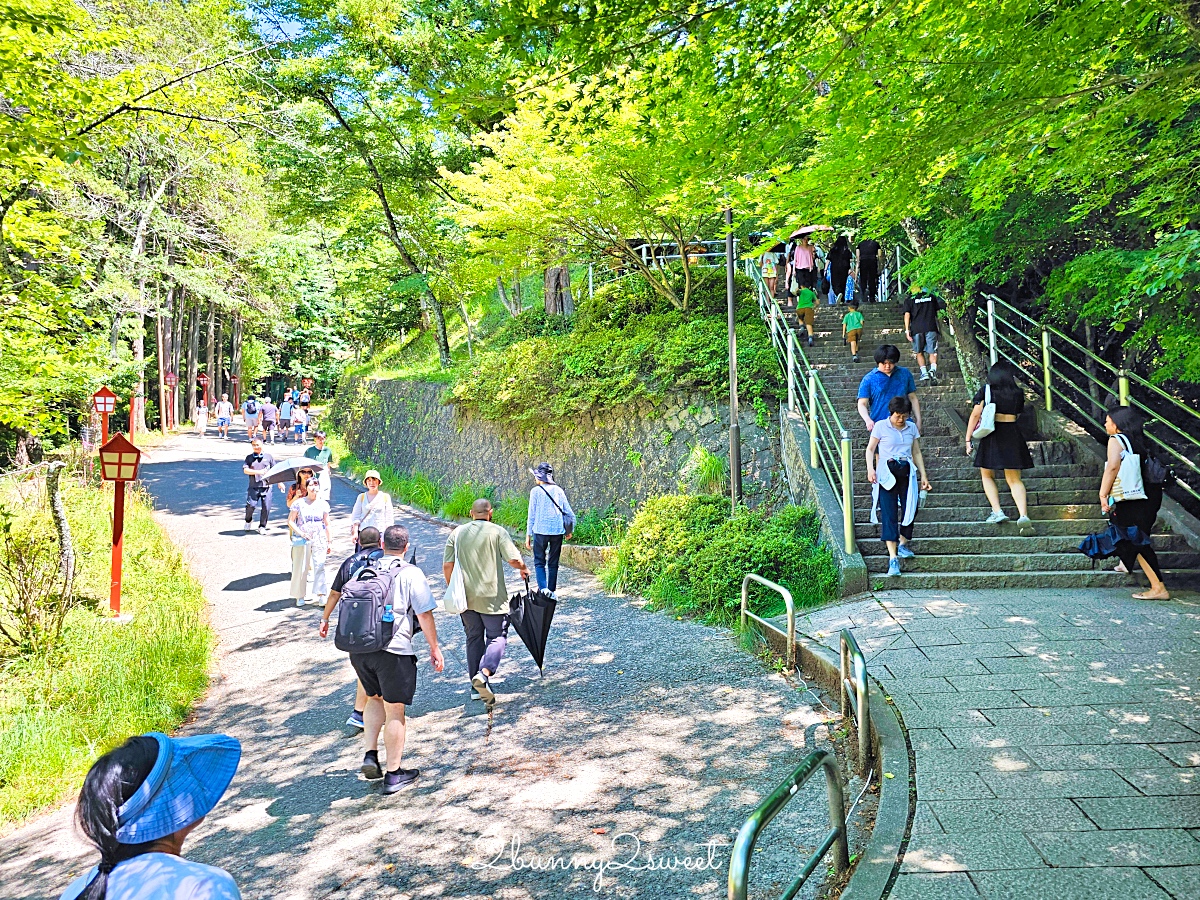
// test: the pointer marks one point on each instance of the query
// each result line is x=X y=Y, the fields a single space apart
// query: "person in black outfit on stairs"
x=839 y=266
x=867 y=279
x=1123 y=421
x=1005 y=448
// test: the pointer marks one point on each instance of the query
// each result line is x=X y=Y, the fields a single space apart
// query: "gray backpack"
x=360 y=627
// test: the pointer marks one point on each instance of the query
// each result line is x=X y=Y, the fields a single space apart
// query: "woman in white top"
x=373 y=509
x=201 y=418
x=895 y=482
x=309 y=519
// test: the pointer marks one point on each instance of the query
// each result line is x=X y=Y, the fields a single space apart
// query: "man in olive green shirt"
x=481 y=548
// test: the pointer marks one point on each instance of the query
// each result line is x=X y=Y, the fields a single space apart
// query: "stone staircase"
x=955 y=549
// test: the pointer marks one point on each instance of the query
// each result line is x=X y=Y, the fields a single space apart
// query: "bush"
x=599 y=527
x=685 y=552
x=33 y=599
x=512 y=512
x=462 y=497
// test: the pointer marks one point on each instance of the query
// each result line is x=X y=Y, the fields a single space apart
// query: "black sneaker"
x=371 y=769
x=483 y=688
x=401 y=778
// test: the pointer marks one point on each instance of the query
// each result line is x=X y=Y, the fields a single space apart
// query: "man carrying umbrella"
x=258 y=493
x=481 y=548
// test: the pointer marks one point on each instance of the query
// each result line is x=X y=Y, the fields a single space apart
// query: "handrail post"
x=837 y=817
x=591 y=280
x=791 y=369
x=854 y=675
x=1046 y=367
x=1123 y=386
x=812 y=418
x=847 y=491
x=899 y=282
x=991 y=313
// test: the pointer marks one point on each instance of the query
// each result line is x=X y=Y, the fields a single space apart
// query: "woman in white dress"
x=374 y=509
x=309 y=519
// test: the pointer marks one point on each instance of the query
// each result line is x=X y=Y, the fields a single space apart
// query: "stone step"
x=975 y=499
x=1015 y=562
x=1034 y=484
x=949 y=581
x=972 y=527
x=1005 y=540
x=1089 y=512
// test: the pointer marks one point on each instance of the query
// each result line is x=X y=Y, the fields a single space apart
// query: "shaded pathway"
x=642 y=725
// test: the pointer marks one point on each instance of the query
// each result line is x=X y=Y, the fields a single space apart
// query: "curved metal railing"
x=791 y=613
x=854 y=694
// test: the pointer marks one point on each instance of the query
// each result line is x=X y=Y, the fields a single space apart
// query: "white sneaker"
x=260 y=529
x=995 y=518
x=300 y=601
x=248 y=527
x=924 y=376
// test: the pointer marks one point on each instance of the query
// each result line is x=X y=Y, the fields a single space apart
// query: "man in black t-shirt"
x=867 y=280
x=921 y=327
x=258 y=492
x=371 y=550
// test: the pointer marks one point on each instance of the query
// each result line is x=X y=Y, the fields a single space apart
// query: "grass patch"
x=685 y=552
x=59 y=711
x=599 y=528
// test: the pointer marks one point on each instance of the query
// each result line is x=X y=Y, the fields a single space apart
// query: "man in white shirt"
x=224 y=413
x=285 y=416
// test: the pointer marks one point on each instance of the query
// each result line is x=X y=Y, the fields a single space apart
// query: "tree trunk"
x=558 y=292
x=28 y=450
x=467 y=320
x=218 y=373
x=137 y=412
x=164 y=409
x=916 y=235
x=439 y=319
x=209 y=357
x=66 y=548
x=235 y=356
x=193 y=359
x=513 y=305
x=176 y=348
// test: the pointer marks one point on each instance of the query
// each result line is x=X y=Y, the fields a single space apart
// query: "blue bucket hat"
x=187 y=780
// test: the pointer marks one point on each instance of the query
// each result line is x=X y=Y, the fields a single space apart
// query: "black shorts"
x=386 y=675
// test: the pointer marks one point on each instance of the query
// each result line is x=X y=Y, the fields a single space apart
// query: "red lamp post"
x=105 y=402
x=169 y=410
x=233 y=380
x=202 y=378
x=119 y=461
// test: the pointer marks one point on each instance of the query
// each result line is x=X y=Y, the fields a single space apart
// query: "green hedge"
x=685 y=552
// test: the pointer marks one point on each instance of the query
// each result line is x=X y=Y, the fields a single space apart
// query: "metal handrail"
x=830 y=446
x=854 y=694
x=743 y=847
x=1052 y=362
x=790 y=655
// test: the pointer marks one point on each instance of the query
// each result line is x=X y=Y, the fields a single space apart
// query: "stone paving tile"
x=987 y=653
x=933 y=886
x=932 y=668
x=1140 y=847
x=1017 y=664
x=1016 y=815
x=1165 y=782
x=1057 y=785
x=1069 y=884
x=967 y=634
x=972 y=700
x=1180 y=754
x=1181 y=882
x=1010 y=736
x=934 y=637
x=958 y=786
x=920 y=718
x=928 y=739
x=1005 y=760
x=1093 y=695
x=1147 y=812
x=994 y=682
x=974 y=853
x=1112 y=733
x=911 y=684
x=1109 y=756
x=1044 y=715
x=924 y=821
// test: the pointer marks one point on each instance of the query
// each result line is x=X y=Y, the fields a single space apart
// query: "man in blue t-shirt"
x=888 y=380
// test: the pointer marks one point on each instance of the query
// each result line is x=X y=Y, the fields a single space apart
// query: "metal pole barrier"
x=791 y=370
x=899 y=283
x=1123 y=386
x=847 y=491
x=991 y=311
x=591 y=280
x=812 y=419
x=1046 y=367
x=735 y=431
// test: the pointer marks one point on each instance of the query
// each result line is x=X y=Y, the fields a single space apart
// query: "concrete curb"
x=880 y=863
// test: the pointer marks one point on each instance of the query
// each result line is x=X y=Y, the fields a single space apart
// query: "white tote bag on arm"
x=1128 y=484
x=987 y=421
x=454 y=601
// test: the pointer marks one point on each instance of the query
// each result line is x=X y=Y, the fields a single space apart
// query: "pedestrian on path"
x=138 y=805
x=372 y=509
x=1125 y=435
x=888 y=380
x=806 y=299
x=252 y=416
x=285 y=416
x=258 y=492
x=201 y=418
x=299 y=423
x=839 y=267
x=270 y=417
x=481 y=548
x=310 y=518
x=389 y=676
x=921 y=327
x=770 y=271
x=804 y=263
x=1005 y=448
x=296 y=491
x=852 y=326
x=866 y=280
x=895 y=493
x=224 y=412
x=318 y=452
x=370 y=551
x=550 y=521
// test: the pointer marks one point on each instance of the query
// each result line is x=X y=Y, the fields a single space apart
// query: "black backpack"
x=251 y=408
x=1155 y=472
x=360 y=627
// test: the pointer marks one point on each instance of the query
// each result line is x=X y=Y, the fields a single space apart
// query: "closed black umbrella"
x=530 y=614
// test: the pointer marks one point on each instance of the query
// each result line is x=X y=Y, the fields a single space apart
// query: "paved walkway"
x=643 y=725
x=1056 y=736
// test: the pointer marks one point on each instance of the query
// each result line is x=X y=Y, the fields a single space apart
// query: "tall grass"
x=103 y=682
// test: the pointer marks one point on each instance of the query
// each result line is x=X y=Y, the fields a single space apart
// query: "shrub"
x=705 y=472
x=33 y=601
x=512 y=511
x=686 y=552
x=462 y=497
x=599 y=527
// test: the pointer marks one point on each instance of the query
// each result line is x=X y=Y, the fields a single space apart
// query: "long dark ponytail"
x=110 y=782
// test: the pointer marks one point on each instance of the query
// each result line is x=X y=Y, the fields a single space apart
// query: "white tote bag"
x=987 y=421
x=1128 y=484
x=454 y=601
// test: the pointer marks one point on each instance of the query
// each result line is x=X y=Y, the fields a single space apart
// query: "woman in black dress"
x=839 y=266
x=1122 y=420
x=1004 y=448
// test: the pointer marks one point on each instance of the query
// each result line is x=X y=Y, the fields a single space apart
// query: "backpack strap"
x=552 y=500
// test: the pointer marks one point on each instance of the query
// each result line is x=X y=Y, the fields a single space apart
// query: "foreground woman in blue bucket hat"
x=138 y=804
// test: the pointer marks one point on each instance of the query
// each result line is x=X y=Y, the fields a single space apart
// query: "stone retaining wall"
x=614 y=458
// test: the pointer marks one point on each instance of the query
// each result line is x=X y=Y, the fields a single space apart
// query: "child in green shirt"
x=805 y=300
x=852 y=325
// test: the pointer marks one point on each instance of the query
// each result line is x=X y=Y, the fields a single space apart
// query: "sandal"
x=1153 y=595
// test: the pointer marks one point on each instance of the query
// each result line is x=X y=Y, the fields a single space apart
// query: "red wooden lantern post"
x=119 y=461
x=105 y=402
x=202 y=378
x=233 y=380
x=169 y=410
